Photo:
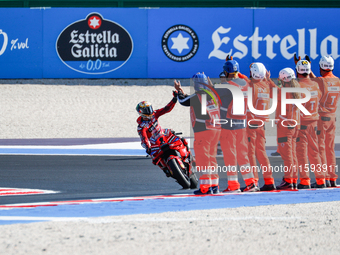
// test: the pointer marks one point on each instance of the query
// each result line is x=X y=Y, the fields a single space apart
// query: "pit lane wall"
x=160 y=43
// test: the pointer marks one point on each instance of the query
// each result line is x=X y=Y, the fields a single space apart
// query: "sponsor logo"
x=275 y=45
x=94 y=45
x=180 y=43
x=15 y=43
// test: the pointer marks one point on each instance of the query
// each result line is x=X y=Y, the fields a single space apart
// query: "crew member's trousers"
x=257 y=150
x=286 y=140
x=205 y=147
x=326 y=137
x=307 y=148
x=234 y=145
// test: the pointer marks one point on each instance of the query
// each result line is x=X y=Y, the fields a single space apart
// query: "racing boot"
x=228 y=190
x=301 y=186
x=215 y=190
x=251 y=188
x=275 y=154
x=333 y=184
x=268 y=187
x=199 y=192
x=285 y=185
x=318 y=186
x=295 y=186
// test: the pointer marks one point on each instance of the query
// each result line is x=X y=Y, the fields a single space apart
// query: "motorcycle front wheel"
x=178 y=174
x=193 y=181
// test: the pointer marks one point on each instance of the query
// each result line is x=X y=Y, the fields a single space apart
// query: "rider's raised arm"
x=167 y=108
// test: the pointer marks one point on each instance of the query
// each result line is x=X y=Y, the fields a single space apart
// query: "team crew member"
x=287 y=131
x=148 y=126
x=205 y=132
x=307 y=143
x=330 y=88
x=233 y=137
x=256 y=126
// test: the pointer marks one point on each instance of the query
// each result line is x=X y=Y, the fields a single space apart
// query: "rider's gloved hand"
x=175 y=94
x=148 y=151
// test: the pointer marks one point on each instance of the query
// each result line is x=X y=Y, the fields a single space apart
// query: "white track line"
x=150 y=219
x=19 y=191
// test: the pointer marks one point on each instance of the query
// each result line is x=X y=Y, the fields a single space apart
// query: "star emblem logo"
x=180 y=43
x=95 y=22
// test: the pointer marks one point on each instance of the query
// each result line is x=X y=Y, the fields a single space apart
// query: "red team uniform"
x=233 y=137
x=256 y=125
x=307 y=146
x=330 y=88
x=206 y=133
x=287 y=133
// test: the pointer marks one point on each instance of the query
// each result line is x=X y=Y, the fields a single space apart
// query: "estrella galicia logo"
x=180 y=43
x=94 y=45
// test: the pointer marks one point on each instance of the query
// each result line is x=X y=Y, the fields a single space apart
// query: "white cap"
x=258 y=71
x=286 y=74
x=326 y=63
x=303 y=66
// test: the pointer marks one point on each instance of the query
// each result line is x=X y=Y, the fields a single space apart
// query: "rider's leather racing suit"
x=150 y=129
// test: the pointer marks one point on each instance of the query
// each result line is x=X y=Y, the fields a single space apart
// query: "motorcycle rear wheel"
x=178 y=174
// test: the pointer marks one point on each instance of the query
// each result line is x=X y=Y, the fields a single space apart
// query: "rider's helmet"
x=258 y=71
x=231 y=66
x=200 y=81
x=303 y=67
x=145 y=109
x=326 y=63
x=286 y=74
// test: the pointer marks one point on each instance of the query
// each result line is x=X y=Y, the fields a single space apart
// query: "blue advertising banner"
x=279 y=33
x=160 y=43
x=21 y=43
x=175 y=34
x=271 y=36
x=95 y=43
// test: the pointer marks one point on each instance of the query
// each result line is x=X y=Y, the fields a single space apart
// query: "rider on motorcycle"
x=148 y=126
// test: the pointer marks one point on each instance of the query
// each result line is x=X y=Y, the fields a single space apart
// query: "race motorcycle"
x=171 y=153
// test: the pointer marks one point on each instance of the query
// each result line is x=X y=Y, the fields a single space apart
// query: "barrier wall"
x=173 y=3
x=160 y=43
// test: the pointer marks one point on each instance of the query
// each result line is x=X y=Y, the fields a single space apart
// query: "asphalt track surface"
x=92 y=177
